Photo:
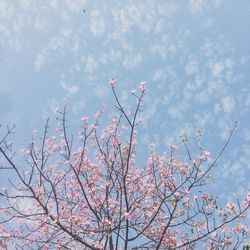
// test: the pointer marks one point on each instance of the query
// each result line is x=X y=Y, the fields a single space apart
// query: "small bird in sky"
x=84 y=11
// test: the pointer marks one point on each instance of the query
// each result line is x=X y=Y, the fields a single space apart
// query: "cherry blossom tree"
x=87 y=191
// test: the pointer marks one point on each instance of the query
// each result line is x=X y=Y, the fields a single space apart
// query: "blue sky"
x=193 y=54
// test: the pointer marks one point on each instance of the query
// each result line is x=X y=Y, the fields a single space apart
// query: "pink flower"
x=205 y=197
x=247 y=200
x=227 y=241
x=142 y=86
x=230 y=207
x=173 y=147
x=241 y=228
x=112 y=83
x=85 y=118
x=205 y=156
x=127 y=216
x=3 y=234
x=85 y=121
x=56 y=110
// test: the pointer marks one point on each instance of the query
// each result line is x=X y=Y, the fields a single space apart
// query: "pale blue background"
x=194 y=55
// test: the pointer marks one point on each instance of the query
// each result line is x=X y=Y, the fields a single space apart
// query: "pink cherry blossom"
x=205 y=197
x=142 y=85
x=230 y=207
x=173 y=147
x=112 y=82
x=247 y=200
x=227 y=241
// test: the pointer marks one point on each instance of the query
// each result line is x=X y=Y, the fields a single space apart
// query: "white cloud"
x=199 y=80
x=147 y=17
x=203 y=118
x=192 y=67
x=228 y=104
x=125 y=21
x=40 y=24
x=175 y=113
x=66 y=33
x=246 y=134
x=56 y=45
x=247 y=101
x=178 y=111
x=54 y=3
x=225 y=127
x=132 y=60
x=196 y=5
x=70 y=88
x=91 y=65
x=7 y=11
x=97 y=25
x=217 y=3
x=159 y=49
x=217 y=108
x=204 y=96
x=159 y=75
x=65 y=15
x=151 y=112
x=102 y=91
x=229 y=63
x=39 y=62
x=244 y=60
x=25 y=4
x=167 y=9
x=208 y=23
x=112 y=55
x=217 y=69
x=76 y=5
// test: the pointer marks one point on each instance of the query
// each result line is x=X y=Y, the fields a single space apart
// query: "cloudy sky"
x=193 y=54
